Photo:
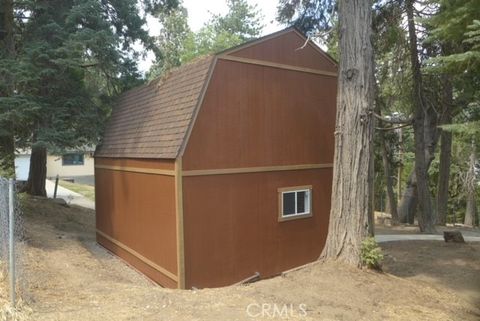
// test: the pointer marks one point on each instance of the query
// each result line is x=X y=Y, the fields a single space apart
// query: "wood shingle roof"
x=153 y=120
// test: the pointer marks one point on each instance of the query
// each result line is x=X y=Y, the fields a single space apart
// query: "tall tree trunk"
x=471 y=212
x=391 y=201
x=352 y=189
x=445 y=157
x=407 y=207
x=426 y=219
x=38 y=171
x=7 y=150
x=7 y=154
x=444 y=177
x=371 y=214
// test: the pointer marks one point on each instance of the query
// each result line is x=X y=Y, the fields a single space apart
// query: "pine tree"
x=73 y=57
x=241 y=23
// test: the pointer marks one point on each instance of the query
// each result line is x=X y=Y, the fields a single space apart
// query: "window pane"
x=288 y=203
x=307 y=201
x=73 y=159
x=301 y=197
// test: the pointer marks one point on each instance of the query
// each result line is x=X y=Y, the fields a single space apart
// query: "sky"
x=199 y=12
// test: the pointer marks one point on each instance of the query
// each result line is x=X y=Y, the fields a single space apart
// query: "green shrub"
x=371 y=254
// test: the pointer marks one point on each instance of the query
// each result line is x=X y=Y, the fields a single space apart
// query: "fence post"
x=11 y=237
x=56 y=186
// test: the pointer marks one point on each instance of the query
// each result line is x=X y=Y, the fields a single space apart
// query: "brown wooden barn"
x=222 y=168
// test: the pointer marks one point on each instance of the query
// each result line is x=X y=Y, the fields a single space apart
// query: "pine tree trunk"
x=352 y=189
x=446 y=145
x=38 y=171
x=391 y=201
x=407 y=207
x=391 y=206
x=444 y=177
x=7 y=155
x=426 y=218
x=445 y=157
x=471 y=211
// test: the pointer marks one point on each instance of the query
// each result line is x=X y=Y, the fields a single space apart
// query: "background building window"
x=72 y=159
x=295 y=202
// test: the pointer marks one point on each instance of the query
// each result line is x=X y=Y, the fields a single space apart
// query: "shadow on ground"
x=453 y=265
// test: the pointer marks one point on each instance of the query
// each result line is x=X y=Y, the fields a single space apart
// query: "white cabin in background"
x=75 y=165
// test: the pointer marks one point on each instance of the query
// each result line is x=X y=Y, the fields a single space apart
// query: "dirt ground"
x=65 y=275
x=413 y=229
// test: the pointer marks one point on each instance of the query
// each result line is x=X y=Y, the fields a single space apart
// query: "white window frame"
x=294 y=189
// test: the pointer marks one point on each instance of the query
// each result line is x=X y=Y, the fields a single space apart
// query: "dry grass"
x=82 y=189
x=72 y=278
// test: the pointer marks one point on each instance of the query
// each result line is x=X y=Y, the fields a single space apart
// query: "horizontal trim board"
x=153 y=265
x=165 y=172
x=244 y=170
x=277 y=65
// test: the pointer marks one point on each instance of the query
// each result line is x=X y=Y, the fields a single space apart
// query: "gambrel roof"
x=154 y=120
x=151 y=121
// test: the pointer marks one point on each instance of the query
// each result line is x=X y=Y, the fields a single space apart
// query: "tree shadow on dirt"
x=451 y=265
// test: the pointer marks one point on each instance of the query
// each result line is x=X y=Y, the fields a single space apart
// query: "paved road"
x=69 y=196
x=419 y=237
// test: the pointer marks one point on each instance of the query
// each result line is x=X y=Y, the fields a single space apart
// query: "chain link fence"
x=11 y=237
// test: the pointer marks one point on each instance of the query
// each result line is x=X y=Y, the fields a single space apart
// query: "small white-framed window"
x=73 y=159
x=295 y=202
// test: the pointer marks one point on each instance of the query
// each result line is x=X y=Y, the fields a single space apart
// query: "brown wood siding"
x=137 y=264
x=232 y=229
x=283 y=50
x=167 y=164
x=263 y=116
x=138 y=210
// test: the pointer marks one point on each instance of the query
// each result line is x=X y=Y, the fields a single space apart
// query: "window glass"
x=289 y=203
x=295 y=202
x=301 y=197
x=72 y=159
x=307 y=201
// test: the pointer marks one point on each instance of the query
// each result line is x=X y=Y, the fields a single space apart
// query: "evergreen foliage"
x=180 y=45
x=449 y=51
x=71 y=58
x=371 y=254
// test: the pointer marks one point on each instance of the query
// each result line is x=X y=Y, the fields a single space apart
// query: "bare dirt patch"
x=413 y=229
x=67 y=276
x=454 y=266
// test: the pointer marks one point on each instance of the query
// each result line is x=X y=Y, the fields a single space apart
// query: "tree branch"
x=392 y=121
x=93 y=64
x=395 y=127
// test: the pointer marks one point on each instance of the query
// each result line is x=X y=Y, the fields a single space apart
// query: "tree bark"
x=391 y=201
x=352 y=189
x=38 y=171
x=407 y=207
x=445 y=158
x=471 y=211
x=444 y=177
x=421 y=126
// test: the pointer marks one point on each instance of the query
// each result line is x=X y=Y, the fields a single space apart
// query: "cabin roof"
x=154 y=120
x=151 y=121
